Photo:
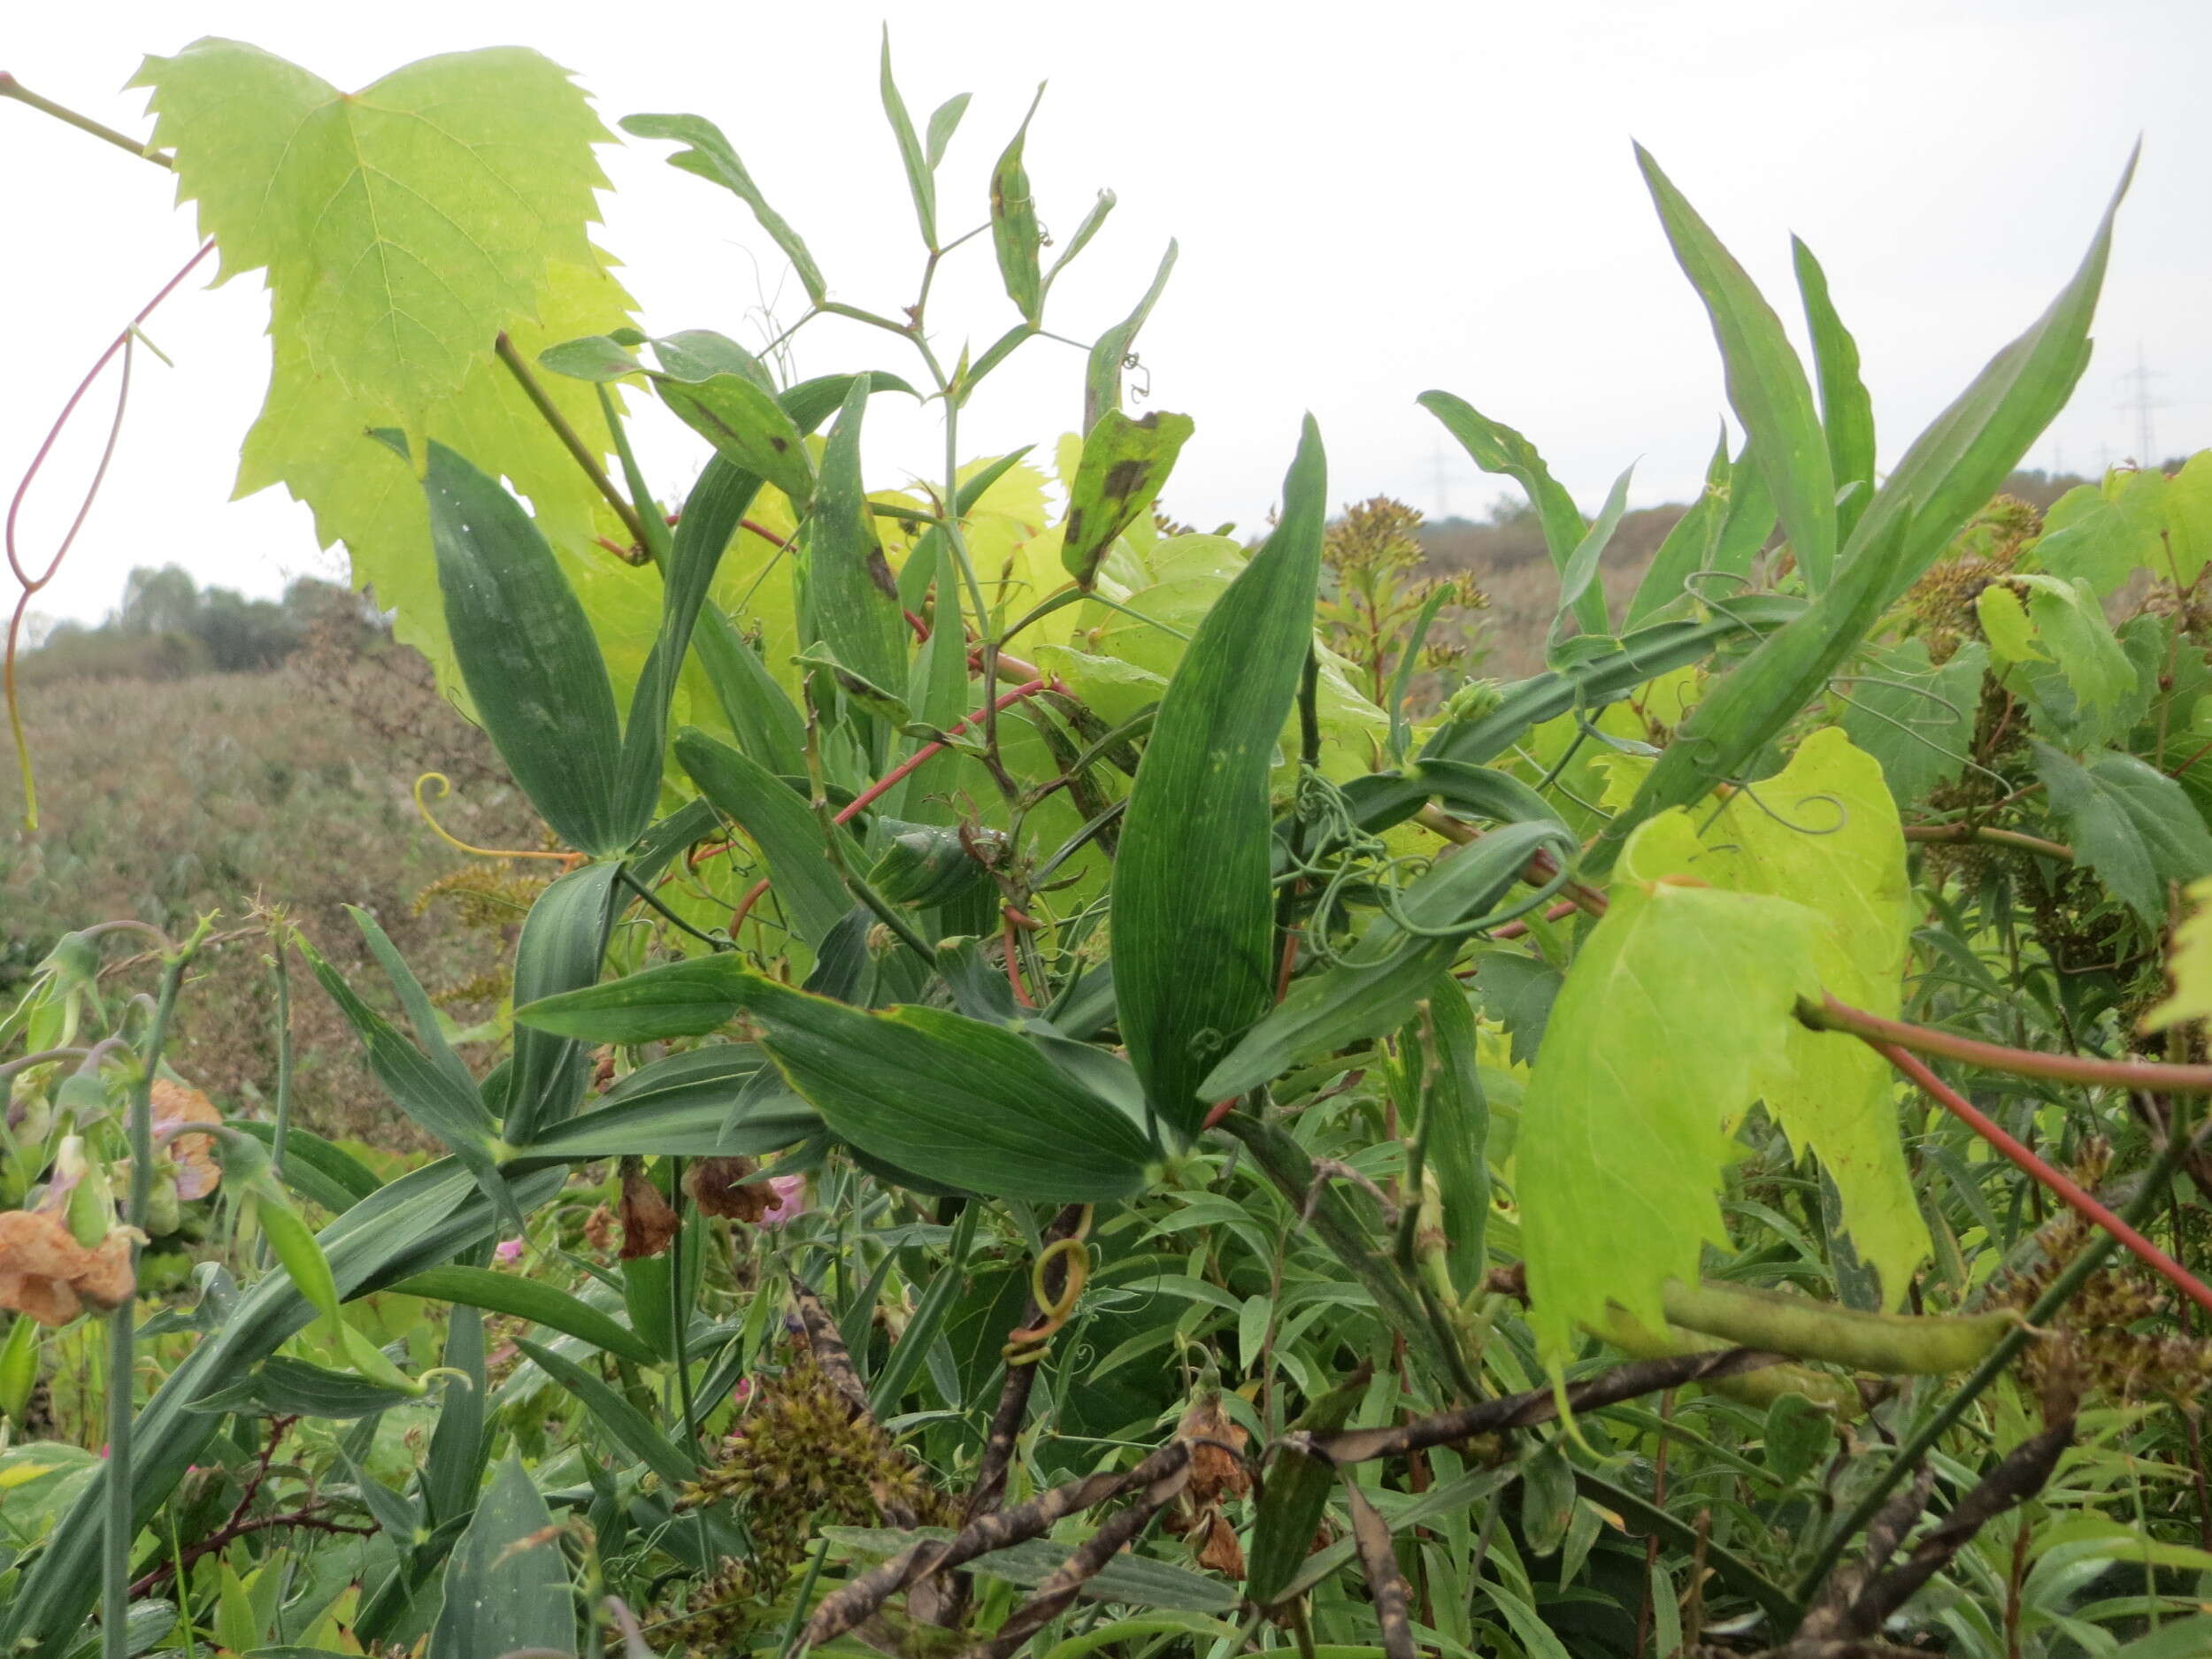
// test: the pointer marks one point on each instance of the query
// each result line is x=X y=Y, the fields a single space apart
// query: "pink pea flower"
x=790 y=1191
x=508 y=1251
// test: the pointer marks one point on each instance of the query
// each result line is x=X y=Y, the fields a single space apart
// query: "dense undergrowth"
x=1070 y=1086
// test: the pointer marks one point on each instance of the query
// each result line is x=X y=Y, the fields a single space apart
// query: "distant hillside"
x=1504 y=551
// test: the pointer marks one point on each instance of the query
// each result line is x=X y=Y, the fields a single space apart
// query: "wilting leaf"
x=1014 y=231
x=1125 y=463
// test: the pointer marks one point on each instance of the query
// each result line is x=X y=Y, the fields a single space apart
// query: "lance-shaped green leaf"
x=283 y=1386
x=849 y=600
x=1394 y=964
x=704 y=1102
x=1766 y=383
x=712 y=158
x=1947 y=476
x=920 y=182
x=563 y=940
x=527 y=652
x=1847 y=411
x=1626 y=1124
x=1455 y=1130
x=951 y=1099
x=769 y=727
x=745 y=424
x=784 y=828
x=1289 y=1514
x=507 y=1585
x=2129 y=822
x=1014 y=231
x=944 y=121
x=675 y=999
x=1496 y=448
x=1579 y=578
x=595 y=357
x=1101 y=376
x=1125 y=463
x=496 y=1292
x=1193 y=902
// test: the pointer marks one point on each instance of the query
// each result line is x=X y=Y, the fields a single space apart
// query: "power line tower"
x=2139 y=401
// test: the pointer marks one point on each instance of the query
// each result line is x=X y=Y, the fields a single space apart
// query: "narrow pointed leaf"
x=849 y=597
x=747 y=425
x=527 y=652
x=562 y=939
x=1497 y=448
x=721 y=1101
x=507 y=1585
x=951 y=1099
x=1767 y=385
x=496 y=1292
x=1847 y=412
x=784 y=828
x=944 y=120
x=1102 y=378
x=1193 y=914
x=711 y=158
x=919 y=182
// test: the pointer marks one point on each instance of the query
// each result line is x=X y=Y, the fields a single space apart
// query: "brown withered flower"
x=1217 y=1471
x=725 y=1188
x=649 y=1220
x=197 y=1171
x=48 y=1276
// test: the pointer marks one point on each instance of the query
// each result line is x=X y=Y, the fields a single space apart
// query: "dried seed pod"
x=725 y=1188
x=649 y=1220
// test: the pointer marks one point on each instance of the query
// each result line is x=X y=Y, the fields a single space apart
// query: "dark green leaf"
x=1455 y=1132
x=747 y=426
x=317 y=1170
x=1192 y=913
x=784 y=828
x=683 y=1106
x=1766 y=383
x=849 y=598
x=952 y=1099
x=1548 y=1498
x=614 y=1414
x=496 y=1292
x=507 y=1585
x=1375 y=988
x=1125 y=463
x=1288 y=1515
x=282 y=1387
x=768 y=725
x=1517 y=990
x=527 y=653
x=562 y=939
x=676 y=999
x=1798 y=1433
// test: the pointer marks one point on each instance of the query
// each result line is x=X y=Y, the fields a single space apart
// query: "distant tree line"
x=168 y=626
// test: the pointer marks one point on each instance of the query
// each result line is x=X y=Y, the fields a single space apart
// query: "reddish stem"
x=2150 y=1075
x=2058 y=1181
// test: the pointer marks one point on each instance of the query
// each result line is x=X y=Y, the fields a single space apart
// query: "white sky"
x=1370 y=200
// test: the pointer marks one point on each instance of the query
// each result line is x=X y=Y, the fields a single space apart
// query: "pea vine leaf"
x=1797 y=883
x=400 y=229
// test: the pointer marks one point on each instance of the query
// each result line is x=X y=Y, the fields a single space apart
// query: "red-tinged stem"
x=868 y=796
x=2066 y=1190
x=1558 y=913
x=1013 y=967
x=904 y=769
x=2150 y=1075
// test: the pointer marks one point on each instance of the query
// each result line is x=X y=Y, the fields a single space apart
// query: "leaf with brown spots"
x=1125 y=463
x=745 y=423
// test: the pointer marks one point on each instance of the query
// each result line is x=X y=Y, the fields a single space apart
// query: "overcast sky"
x=1370 y=200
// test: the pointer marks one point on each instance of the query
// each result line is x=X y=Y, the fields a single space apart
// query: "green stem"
x=11 y=87
x=577 y=448
x=284 y=1060
x=115 y=1588
x=2036 y=844
x=2077 y=1273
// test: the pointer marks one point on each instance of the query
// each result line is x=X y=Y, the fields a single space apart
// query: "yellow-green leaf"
x=2190 y=967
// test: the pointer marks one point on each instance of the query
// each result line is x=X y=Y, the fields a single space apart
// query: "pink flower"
x=508 y=1250
x=791 y=1192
